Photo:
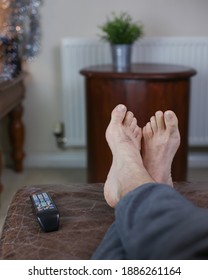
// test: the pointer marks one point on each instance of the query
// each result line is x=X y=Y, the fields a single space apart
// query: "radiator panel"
x=79 y=53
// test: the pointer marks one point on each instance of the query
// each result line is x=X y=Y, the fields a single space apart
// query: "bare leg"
x=161 y=141
x=127 y=171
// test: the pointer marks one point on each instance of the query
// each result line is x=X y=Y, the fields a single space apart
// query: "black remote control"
x=46 y=211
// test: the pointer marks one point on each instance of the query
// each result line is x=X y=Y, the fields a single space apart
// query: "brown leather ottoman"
x=85 y=217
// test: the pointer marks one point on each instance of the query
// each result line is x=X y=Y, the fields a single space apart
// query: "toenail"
x=121 y=108
x=159 y=114
x=169 y=115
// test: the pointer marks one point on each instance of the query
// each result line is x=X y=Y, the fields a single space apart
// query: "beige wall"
x=80 y=18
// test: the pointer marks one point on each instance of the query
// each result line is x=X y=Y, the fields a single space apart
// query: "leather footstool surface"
x=196 y=192
x=84 y=218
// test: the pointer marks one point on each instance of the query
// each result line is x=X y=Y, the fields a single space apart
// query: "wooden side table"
x=11 y=96
x=144 y=89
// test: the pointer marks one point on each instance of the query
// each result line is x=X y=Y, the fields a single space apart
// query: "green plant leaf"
x=120 y=29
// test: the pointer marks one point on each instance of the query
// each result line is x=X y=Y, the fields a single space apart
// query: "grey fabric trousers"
x=155 y=222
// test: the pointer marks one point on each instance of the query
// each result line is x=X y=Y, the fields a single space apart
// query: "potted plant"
x=121 y=32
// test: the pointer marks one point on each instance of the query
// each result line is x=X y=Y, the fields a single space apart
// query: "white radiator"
x=79 y=53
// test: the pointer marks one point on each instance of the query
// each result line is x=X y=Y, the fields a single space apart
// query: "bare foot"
x=161 y=141
x=127 y=171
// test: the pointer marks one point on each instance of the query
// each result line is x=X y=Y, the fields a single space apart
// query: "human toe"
x=118 y=114
x=147 y=131
x=133 y=124
x=171 y=120
x=128 y=119
x=138 y=132
x=153 y=124
x=171 y=123
x=159 y=116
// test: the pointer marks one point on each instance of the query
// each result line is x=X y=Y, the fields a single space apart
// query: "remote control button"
x=46 y=211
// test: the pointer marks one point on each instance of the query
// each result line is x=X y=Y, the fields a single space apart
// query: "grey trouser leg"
x=155 y=222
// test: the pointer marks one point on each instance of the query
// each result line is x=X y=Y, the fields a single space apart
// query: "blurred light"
x=5 y=4
x=18 y=28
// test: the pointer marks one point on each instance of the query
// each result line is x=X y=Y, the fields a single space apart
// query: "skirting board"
x=198 y=160
x=65 y=159
x=77 y=159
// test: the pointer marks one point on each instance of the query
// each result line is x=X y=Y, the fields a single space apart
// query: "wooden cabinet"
x=144 y=89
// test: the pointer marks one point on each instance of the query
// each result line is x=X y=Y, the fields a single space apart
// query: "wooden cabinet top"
x=10 y=83
x=140 y=71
